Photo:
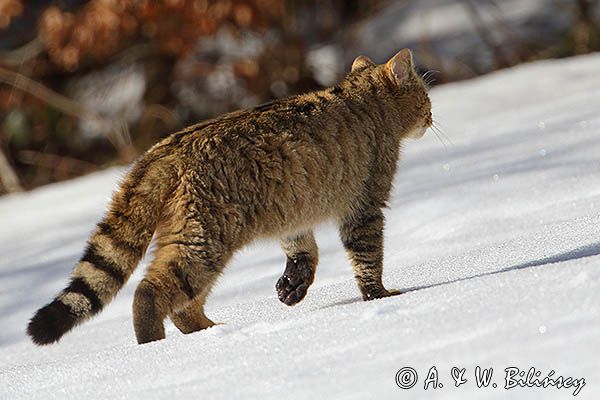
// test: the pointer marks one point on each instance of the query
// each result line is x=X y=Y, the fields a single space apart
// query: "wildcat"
x=275 y=170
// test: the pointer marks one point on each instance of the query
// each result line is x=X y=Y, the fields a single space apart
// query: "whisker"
x=428 y=73
x=428 y=77
x=434 y=130
x=444 y=134
x=437 y=132
x=437 y=127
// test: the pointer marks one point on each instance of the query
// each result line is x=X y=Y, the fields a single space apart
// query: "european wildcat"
x=275 y=170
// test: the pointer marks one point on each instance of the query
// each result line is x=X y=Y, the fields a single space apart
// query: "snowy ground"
x=494 y=238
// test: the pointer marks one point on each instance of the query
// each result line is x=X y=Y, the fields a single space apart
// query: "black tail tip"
x=51 y=322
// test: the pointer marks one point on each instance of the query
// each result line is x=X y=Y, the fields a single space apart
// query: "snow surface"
x=494 y=239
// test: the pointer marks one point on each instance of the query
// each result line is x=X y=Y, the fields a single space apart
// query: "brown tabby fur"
x=275 y=170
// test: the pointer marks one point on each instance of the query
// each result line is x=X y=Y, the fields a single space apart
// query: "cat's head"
x=402 y=89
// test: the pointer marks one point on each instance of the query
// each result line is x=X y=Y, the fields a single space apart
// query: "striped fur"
x=272 y=171
x=113 y=252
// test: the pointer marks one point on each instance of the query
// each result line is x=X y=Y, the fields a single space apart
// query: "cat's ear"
x=361 y=62
x=400 y=66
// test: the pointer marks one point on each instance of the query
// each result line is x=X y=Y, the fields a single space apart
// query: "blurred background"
x=89 y=84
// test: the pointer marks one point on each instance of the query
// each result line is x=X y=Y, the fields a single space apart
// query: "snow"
x=493 y=237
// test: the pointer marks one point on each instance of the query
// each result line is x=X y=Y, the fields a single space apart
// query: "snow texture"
x=493 y=238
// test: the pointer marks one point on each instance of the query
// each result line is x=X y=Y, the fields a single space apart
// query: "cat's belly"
x=305 y=201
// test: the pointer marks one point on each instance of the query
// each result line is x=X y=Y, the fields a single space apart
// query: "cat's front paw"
x=379 y=293
x=298 y=276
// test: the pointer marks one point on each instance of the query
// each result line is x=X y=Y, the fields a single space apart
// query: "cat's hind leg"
x=302 y=259
x=176 y=276
x=191 y=318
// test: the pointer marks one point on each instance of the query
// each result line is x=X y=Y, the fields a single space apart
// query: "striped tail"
x=113 y=252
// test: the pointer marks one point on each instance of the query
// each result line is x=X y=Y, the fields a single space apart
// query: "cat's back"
x=258 y=134
x=288 y=154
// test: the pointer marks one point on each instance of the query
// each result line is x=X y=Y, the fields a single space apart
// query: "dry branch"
x=62 y=103
x=8 y=177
